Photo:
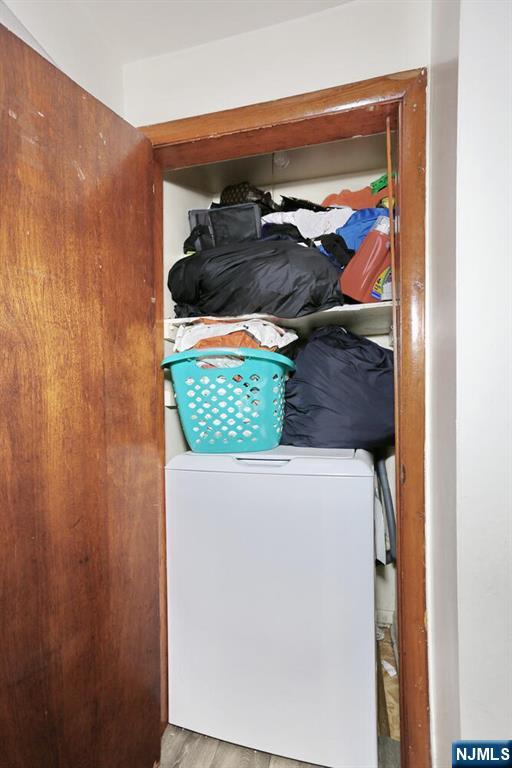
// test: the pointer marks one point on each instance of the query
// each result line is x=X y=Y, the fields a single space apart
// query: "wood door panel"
x=81 y=479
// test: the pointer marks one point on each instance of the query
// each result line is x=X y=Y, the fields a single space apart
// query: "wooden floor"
x=185 y=749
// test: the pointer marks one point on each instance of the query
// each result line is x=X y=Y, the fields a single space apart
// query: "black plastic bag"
x=269 y=277
x=244 y=192
x=296 y=203
x=213 y=227
x=341 y=394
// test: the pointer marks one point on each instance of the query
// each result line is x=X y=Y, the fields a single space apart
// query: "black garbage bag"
x=244 y=192
x=269 y=277
x=341 y=394
x=294 y=203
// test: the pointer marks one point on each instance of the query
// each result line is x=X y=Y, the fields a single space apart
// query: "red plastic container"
x=366 y=274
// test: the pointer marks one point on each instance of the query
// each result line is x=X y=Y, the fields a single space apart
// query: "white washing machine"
x=271 y=602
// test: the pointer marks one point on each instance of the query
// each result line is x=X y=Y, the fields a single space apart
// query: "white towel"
x=312 y=224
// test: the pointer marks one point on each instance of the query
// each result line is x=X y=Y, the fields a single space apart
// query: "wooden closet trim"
x=359 y=109
x=281 y=124
x=158 y=249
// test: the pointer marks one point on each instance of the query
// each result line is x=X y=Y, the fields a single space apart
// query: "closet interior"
x=310 y=173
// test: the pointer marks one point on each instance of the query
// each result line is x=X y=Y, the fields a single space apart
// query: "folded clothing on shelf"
x=254 y=333
x=279 y=278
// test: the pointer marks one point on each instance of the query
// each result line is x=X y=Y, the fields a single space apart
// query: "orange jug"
x=366 y=276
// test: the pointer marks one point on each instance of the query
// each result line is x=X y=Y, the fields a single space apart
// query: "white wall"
x=9 y=20
x=74 y=43
x=441 y=531
x=484 y=375
x=350 y=42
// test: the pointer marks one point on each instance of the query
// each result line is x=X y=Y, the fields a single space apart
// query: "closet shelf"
x=366 y=319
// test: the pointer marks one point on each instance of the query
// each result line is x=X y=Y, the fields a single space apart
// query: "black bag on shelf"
x=341 y=394
x=269 y=277
x=296 y=203
x=213 y=227
x=234 y=194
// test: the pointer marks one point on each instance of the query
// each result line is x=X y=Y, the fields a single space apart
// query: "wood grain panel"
x=300 y=133
x=357 y=109
x=410 y=458
x=158 y=249
x=80 y=482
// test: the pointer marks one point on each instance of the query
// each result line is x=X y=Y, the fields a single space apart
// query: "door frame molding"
x=359 y=109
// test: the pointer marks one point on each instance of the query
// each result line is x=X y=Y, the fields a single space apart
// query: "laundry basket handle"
x=242 y=352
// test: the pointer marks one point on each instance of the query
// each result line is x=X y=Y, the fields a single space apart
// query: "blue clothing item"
x=358 y=226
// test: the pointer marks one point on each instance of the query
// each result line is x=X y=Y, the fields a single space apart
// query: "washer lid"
x=283 y=460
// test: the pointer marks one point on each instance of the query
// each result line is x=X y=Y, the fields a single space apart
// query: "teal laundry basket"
x=230 y=409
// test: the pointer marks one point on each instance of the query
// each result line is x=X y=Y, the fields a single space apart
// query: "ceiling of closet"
x=337 y=158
